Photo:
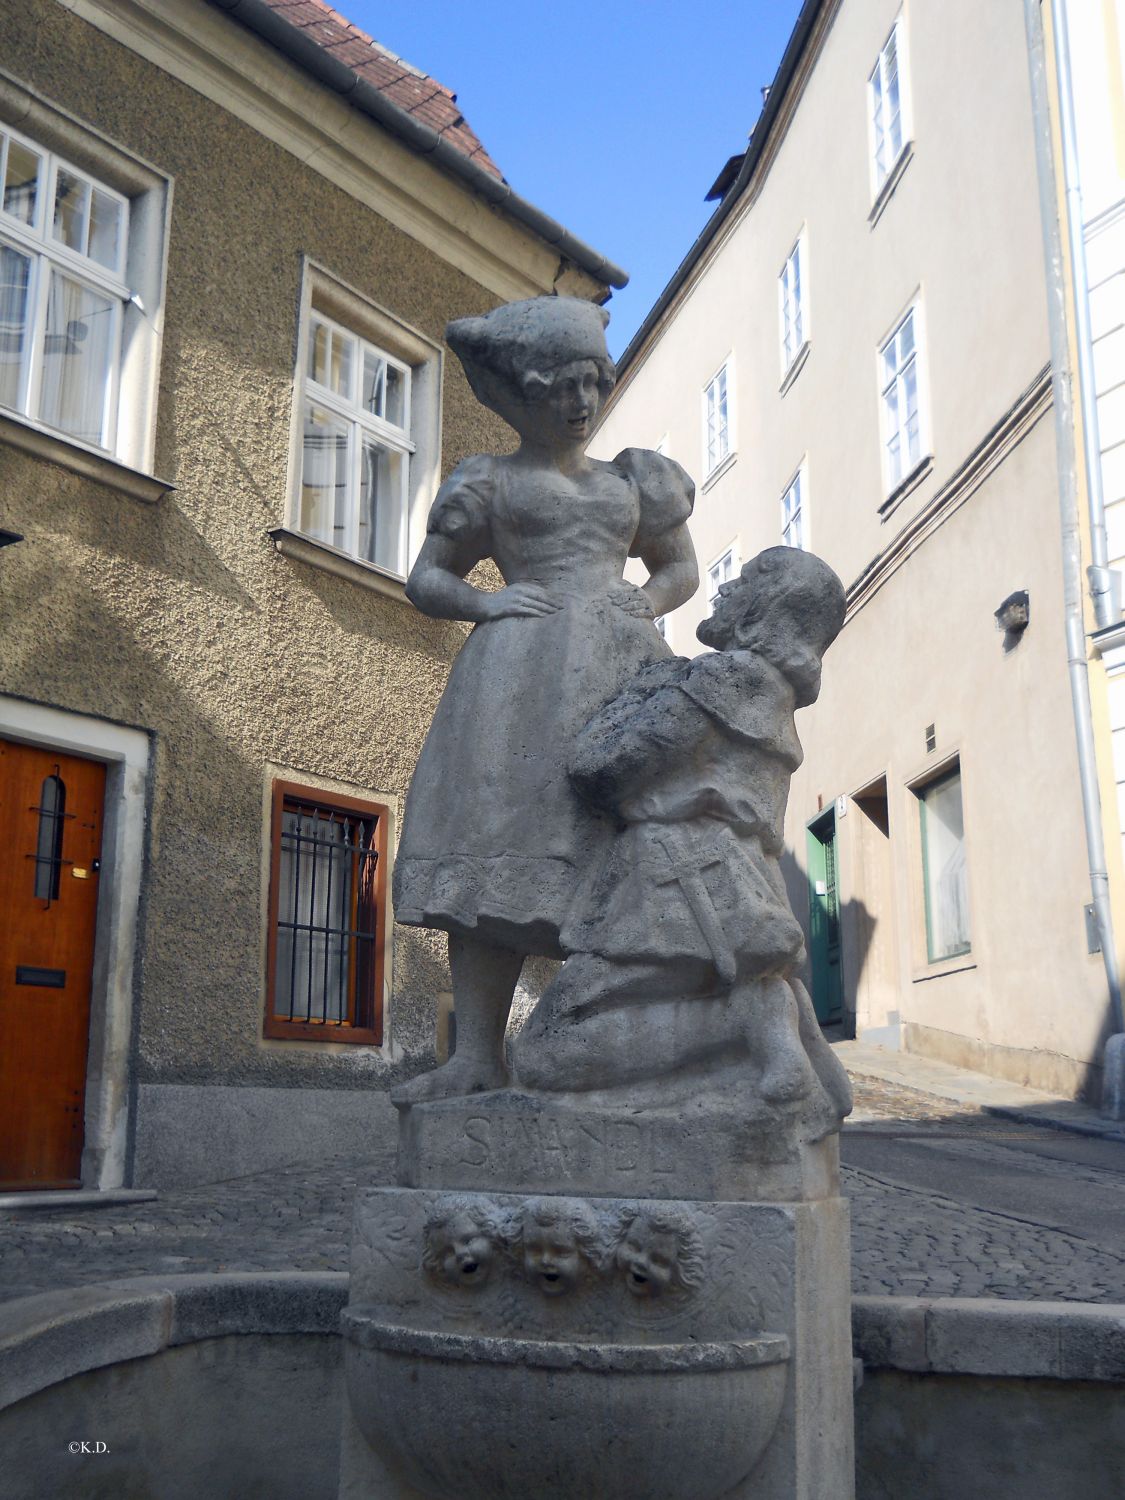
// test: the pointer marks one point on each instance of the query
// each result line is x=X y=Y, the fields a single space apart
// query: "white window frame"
x=722 y=570
x=955 y=954
x=136 y=284
x=896 y=378
x=799 y=514
x=877 y=106
x=348 y=409
x=46 y=255
x=327 y=299
x=720 y=388
x=793 y=304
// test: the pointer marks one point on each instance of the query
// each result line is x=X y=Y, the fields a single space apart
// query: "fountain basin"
x=468 y=1417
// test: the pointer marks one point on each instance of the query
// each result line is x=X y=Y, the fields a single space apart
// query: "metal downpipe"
x=1077 y=663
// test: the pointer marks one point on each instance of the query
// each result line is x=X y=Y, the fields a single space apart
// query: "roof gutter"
x=810 y=10
x=423 y=139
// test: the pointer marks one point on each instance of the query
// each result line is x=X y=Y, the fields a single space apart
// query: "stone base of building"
x=188 y=1134
x=1050 y=1072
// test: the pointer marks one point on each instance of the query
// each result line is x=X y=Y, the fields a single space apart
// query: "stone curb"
x=991 y=1336
x=50 y=1337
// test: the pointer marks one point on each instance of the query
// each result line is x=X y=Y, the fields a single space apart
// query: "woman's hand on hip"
x=633 y=600
x=521 y=600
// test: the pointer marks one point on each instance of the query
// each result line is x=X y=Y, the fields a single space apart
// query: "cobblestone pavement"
x=906 y=1241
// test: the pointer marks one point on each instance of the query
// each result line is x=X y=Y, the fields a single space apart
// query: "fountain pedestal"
x=562 y=1319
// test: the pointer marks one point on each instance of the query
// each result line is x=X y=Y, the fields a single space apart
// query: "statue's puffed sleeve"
x=462 y=509
x=666 y=492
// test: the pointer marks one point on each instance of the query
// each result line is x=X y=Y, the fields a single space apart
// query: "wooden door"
x=824 y=921
x=51 y=810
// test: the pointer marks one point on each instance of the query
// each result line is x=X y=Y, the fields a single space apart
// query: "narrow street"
x=949 y=1200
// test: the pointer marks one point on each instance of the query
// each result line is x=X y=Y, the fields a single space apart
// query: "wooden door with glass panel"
x=51 y=811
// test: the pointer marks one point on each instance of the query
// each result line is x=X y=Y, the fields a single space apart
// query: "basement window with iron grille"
x=327 y=917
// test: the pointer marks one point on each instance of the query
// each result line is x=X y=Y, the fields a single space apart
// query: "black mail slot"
x=47 y=979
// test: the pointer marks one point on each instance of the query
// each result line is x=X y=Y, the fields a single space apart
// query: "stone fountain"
x=616 y=1264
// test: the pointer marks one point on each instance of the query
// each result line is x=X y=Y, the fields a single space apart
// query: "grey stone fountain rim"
x=734 y=1354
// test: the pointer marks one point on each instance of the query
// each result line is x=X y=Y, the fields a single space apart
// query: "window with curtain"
x=63 y=293
x=944 y=874
x=356 y=447
x=327 y=917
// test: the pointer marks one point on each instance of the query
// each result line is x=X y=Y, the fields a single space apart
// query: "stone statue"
x=495 y=837
x=640 y=1234
x=683 y=948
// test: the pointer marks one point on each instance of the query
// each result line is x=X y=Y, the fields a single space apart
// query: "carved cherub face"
x=659 y=1253
x=460 y=1248
x=559 y=1244
x=648 y=1257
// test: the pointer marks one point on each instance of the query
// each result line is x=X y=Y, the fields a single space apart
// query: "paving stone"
x=905 y=1241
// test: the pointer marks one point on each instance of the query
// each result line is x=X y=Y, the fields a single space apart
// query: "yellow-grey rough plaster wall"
x=181 y=617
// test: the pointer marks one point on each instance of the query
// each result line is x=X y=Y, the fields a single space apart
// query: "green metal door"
x=824 y=920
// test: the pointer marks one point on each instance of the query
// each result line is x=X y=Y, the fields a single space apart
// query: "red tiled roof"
x=402 y=83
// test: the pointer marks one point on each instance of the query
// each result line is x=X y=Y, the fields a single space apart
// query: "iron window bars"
x=327 y=917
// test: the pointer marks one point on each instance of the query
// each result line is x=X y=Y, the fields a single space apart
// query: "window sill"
x=795 y=368
x=18 y=433
x=959 y=964
x=320 y=555
x=906 y=486
x=894 y=176
x=719 y=470
x=277 y=1030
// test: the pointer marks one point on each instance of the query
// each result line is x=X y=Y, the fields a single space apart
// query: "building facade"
x=229 y=247
x=857 y=357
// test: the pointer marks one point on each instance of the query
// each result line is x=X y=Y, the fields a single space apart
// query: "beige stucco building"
x=857 y=357
x=228 y=251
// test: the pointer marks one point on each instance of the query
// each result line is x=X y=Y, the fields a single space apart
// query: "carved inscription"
x=567 y=1148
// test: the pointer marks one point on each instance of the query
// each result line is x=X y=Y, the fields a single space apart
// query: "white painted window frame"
x=793 y=306
x=876 y=106
x=347 y=408
x=723 y=378
x=140 y=279
x=800 y=483
x=47 y=254
x=915 y=312
x=326 y=297
x=727 y=563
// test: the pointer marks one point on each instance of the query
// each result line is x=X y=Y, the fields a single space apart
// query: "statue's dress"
x=494 y=837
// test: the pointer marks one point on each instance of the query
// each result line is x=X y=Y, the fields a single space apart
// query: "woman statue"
x=495 y=839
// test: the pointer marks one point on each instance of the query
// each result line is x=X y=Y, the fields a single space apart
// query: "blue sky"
x=613 y=119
